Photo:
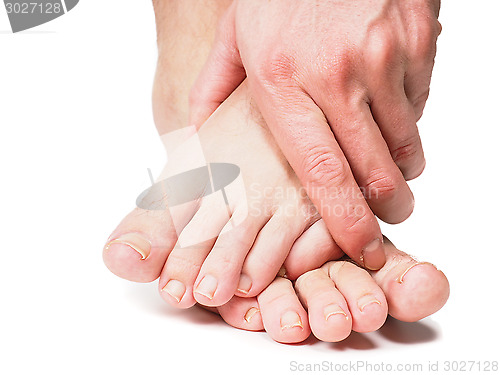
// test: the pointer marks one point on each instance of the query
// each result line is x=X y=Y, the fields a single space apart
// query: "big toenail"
x=250 y=313
x=334 y=309
x=175 y=289
x=245 y=284
x=290 y=319
x=401 y=278
x=136 y=241
x=366 y=300
x=373 y=255
x=207 y=286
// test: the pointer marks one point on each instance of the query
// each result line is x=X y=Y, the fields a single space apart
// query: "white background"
x=76 y=138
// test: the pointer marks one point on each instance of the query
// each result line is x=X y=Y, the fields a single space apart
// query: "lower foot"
x=341 y=297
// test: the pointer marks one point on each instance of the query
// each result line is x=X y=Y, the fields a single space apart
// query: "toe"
x=311 y=250
x=242 y=313
x=180 y=271
x=138 y=247
x=218 y=278
x=192 y=248
x=366 y=301
x=329 y=315
x=268 y=253
x=283 y=316
x=413 y=290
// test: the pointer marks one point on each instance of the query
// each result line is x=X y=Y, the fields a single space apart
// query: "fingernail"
x=207 y=286
x=401 y=278
x=373 y=255
x=250 y=313
x=366 y=300
x=290 y=319
x=176 y=289
x=245 y=284
x=332 y=310
x=135 y=241
x=282 y=272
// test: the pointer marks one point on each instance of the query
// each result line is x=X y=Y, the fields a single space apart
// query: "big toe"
x=413 y=289
x=138 y=247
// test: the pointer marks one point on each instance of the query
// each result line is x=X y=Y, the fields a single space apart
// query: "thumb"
x=220 y=76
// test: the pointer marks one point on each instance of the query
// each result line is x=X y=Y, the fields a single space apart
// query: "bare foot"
x=340 y=297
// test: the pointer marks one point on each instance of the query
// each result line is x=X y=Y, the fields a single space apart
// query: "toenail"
x=250 y=313
x=136 y=241
x=175 y=289
x=245 y=284
x=366 y=300
x=334 y=309
x=373 y=255
x=207 y=286
x=400 y=279
x=290 y=319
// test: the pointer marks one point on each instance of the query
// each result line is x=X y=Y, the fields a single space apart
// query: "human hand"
x=341 y=85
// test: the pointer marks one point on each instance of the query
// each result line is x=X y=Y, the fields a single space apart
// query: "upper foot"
x=231 y=241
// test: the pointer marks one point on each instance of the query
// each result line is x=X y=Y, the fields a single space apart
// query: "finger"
x=396 y=118
x=417 y=88
x=221 y=74
x=421 y=51
x=307 y=142
x=383 y=185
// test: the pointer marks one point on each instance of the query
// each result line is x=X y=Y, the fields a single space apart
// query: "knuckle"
x=177 y=261
x=382 y=51
x=423 y=41
x=336 y=69
x=279 y=67
x=407 y=150
x=420 y=99
x=355 y=219
x=307 y=279
x=340 y=268
x=418 y=104
x=323 y=168
x=380 y=185
x=240 y=238
x=225 y=262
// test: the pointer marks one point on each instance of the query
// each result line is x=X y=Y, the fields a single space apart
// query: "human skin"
x=338 y=297
x=341 y=85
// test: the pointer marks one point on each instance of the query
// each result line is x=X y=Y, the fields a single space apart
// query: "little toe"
x=413 y=289
x=329 y=315
x=138 y=247
x=268 y=253
x=311 y=250
x=218 y=278
x=366 y=301
x=242 y=313
x=283 y=316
